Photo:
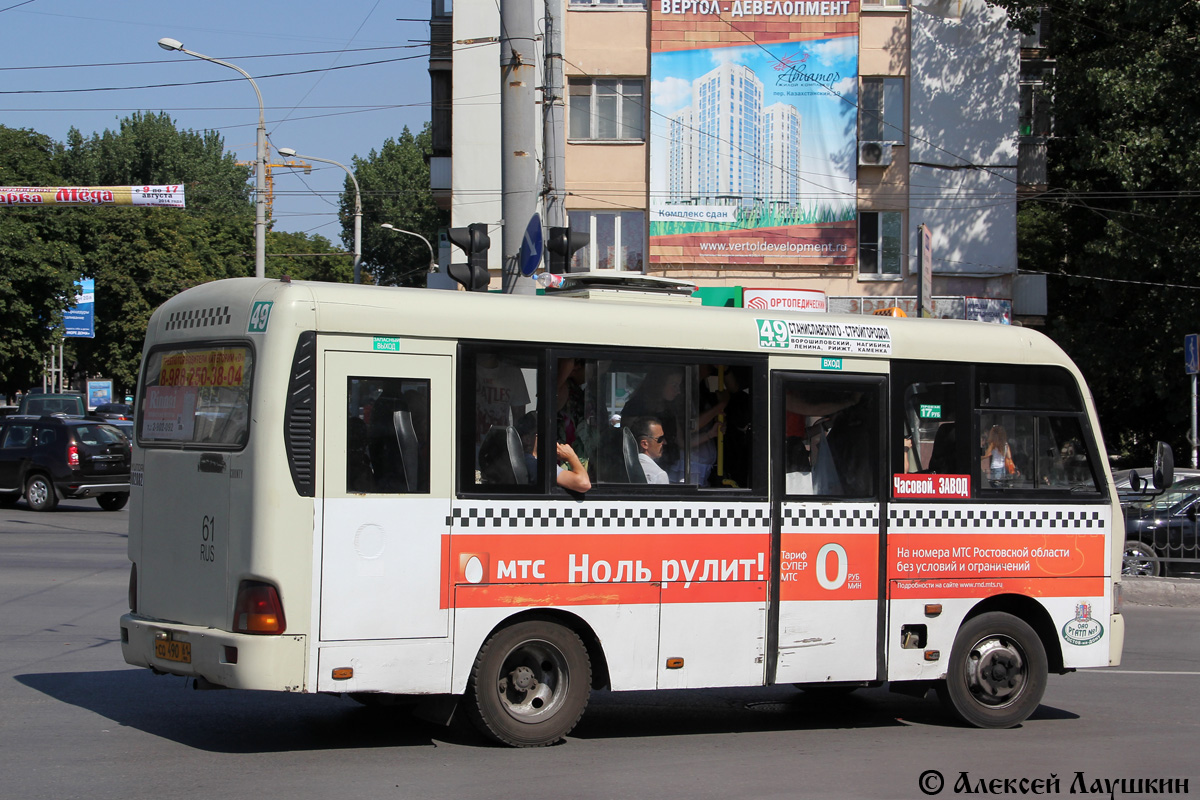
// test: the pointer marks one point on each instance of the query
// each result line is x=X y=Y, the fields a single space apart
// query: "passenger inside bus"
x=659 y=395
x=651 y=440
x=828 y=441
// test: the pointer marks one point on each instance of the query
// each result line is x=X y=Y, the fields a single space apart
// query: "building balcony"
x=1031 y=164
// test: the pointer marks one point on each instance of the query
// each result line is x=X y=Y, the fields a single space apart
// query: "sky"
x=360 y=75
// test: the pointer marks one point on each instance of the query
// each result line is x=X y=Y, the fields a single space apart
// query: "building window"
x=880 y=244
x=881 y=110
x=607 y=109
x=1035 y=117
x=632 y=5
x=616 y=240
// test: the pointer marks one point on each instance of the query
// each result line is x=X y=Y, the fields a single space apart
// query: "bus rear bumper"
x=231 y=660
x=1116 y=639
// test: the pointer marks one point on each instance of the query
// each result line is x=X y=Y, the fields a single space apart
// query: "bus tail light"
x=133 y=588
x=258 y=609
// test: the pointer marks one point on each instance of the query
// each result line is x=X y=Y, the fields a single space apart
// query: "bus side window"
x=387 y=436
x=506 y=412
x=700 y=411
x=1031 y=431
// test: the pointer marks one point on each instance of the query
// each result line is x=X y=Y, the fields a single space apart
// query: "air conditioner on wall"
x=874 y=154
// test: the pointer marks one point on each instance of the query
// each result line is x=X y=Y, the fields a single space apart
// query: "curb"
x=1161 y=592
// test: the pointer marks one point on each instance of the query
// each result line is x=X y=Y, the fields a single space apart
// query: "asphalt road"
x=75 y=721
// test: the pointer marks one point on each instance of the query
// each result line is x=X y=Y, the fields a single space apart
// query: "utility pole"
x=518 y=137
x=554 y=157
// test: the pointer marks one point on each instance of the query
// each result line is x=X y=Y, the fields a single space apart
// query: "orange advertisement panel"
x=823 y=566
x=995 y=556
x=535 y=569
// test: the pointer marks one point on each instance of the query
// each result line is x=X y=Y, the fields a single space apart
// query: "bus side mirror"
x=1164 y=466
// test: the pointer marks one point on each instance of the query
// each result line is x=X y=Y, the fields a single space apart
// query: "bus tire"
x=530 y=684
x=997 y=672
x=39 y=493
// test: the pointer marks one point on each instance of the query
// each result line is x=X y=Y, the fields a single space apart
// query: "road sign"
x=530 y=256
x=1191 y=353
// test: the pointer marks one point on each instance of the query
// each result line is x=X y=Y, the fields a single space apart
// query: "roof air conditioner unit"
x=874 y=154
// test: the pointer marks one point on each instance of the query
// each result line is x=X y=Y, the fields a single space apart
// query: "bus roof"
x=222 y=309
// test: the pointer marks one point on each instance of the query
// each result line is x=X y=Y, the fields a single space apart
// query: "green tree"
x=1117 y=231
x=141 y=257
x=147 y=148
x=38 y=262
x=395 y=189
x=305 y=257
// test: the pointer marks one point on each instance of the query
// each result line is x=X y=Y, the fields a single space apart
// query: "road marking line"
x=1139 y=672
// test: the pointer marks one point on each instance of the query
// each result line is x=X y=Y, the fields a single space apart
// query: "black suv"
x=47 y=458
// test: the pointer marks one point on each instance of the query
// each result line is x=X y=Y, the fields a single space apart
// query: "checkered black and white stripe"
x=199 y=318
x=975 y=518
x=850 y=517
x=743 y=518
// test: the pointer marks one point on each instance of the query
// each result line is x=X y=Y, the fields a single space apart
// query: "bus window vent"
x=299 y=419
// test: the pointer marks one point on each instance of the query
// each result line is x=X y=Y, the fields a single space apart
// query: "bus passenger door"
x=386 y=502
x=827 y=475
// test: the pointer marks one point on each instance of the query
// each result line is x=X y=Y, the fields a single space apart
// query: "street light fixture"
x=260 y=168
x=288 y=152
x=432 y=260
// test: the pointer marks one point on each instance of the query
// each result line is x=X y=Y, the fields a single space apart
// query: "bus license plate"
x=173 y=651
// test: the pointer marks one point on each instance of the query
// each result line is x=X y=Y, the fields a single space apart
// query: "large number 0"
x=843 y=566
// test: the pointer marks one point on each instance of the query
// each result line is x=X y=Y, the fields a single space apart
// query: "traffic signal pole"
x=518 y=137
x=554 y=140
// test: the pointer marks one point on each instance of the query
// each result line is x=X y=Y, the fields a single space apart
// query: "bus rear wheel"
x=530 y=684
x=997 y=672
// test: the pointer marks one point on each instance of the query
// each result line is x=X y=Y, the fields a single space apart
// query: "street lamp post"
x=288 y=152
x=260 y=169
x=432 y=259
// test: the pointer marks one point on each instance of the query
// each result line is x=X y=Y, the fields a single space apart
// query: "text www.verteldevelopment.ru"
x=759 y=246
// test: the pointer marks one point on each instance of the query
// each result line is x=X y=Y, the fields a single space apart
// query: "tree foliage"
x=139 y=257
x=1117 y=232
x=395 y=189
x=38 y=264
x=302 y=257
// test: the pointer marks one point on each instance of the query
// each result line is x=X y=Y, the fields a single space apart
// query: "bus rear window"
x=197 y=395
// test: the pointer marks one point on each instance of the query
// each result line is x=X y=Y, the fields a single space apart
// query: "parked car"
x=45 y=459
x=1160 y=532
x=37 y=405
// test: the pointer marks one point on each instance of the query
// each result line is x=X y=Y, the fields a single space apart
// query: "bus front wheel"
x=997 y=672
x=530 y=684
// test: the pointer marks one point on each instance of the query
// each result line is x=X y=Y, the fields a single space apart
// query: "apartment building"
x=809 y=148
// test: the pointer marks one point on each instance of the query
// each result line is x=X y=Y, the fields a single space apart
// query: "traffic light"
x=472 y=240
x=562 y=244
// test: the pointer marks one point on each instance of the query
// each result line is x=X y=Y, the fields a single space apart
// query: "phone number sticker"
x=203 y=368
